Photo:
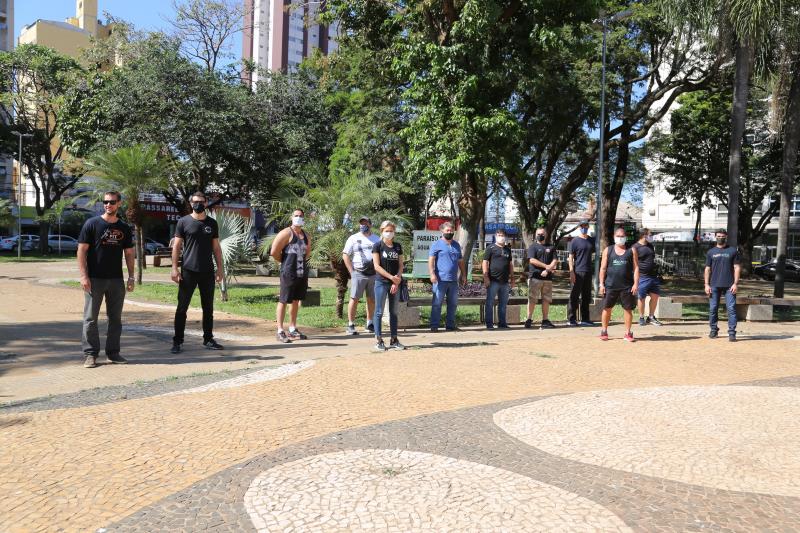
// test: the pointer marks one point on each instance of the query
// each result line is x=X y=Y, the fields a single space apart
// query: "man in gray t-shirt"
x=357 y=257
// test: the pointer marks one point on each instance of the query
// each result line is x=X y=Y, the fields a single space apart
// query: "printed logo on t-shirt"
x=390 y=254
x=618 y=262
x=112 y=237
x=208 y=229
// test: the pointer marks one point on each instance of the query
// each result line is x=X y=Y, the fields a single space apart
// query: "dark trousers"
x=189 y=281
x=581 y=289
x=113 y=291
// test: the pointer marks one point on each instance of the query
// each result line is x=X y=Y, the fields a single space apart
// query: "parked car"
x=150 y=246
x=68 y=244
x=29 y=242
x=767 y=271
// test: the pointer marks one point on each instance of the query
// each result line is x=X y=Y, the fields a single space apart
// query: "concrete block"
x=312 y=298
x=666 y=309
x=407 y=317
x=754 y=313
x=513 y=314
x=595 y=310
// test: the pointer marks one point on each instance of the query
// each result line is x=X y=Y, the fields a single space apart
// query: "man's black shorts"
x=293 y=289
x=623 y=296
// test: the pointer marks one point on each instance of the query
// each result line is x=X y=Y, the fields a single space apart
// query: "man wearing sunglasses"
x=101 y=244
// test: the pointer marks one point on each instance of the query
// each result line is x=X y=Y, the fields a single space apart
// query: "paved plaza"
x=523 y=430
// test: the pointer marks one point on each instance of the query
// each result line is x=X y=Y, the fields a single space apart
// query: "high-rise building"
x=6 y=43
x=278 y=34
x=70 y=37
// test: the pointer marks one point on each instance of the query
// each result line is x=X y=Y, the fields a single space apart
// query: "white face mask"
x=620 y=240
x=298 y=221
x=388 y=235
x=499 y=239
x=649 y=238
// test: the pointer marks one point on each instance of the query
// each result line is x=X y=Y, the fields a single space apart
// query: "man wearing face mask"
x=580 y=276
x=619 y=280
x=292 y=249
x=446 y=269
x=542 y=263
x=357 y=257
x=649 y=285
x=197 y=235
x=498 y=278
x=723 y=267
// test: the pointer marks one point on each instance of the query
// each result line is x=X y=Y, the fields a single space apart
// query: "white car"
x=29 y=242
x=68 y=244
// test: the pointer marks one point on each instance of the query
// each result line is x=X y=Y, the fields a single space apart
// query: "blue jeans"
x=501 y=291
x=730 y=305
x=444 y=290
x=381 y=294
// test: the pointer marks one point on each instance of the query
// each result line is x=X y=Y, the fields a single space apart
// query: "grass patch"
x=29 y=257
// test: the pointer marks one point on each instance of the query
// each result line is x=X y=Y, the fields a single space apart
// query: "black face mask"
x=722 y=240
x=448 y=236
x=198 y=207
x=540 y=238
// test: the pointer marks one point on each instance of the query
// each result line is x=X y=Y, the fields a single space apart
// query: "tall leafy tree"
x=132 y=171
x=31 y=101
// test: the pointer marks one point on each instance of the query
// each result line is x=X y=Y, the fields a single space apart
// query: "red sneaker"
x=629 y=337
x=604 y=335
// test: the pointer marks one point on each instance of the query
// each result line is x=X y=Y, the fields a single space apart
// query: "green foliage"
x=6 y=218
x=235 y=239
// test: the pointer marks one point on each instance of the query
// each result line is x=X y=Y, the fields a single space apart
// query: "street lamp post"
x=19 y=195
x=603 y=21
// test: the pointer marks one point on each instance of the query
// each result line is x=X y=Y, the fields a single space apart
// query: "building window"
x=722 y=209
x=795 y=207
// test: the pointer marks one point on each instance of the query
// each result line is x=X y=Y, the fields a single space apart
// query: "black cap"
x=584 y=222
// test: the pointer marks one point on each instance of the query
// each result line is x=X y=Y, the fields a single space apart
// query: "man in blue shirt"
x=446 y=268
x=723 y=267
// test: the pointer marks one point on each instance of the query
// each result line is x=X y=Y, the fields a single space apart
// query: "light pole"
x=603 y=21
x=19 y=195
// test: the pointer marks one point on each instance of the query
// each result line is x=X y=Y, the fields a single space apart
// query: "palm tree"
x=236 y=241
x=131 y=170
x=743 y=27
x=332 y=203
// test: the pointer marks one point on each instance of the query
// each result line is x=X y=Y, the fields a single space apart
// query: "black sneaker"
x=282 y=337
x=395 y=345
x=454 y=329
x=434 y=330
x=117 y=359
x=642 y=321
x=371 y=327
x=90 y=361
x=176 y=348
x=586 y=324
x=295 y=334
x=713 y=334
x=489 y=327
x=546 y=324
x=653 y=320
x=213 y=345
x=379 y=346
x=573 y=324
x=351 y=329
x=528 y=323
x=732 y=338
x=504 y=326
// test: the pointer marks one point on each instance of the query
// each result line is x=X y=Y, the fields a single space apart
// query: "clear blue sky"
x=144 y=14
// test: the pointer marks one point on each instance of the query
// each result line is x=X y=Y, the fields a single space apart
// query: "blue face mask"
x=364 y=228
x=584 y=231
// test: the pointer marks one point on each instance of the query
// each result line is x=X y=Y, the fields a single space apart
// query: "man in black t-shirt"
x=197 y=235
x=498 y=278
x=102 y=242
x=580 y=276
x=649 y=284
x=542 y=264
x=723 y=267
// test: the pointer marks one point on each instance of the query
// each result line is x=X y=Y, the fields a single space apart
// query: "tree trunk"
x=471 y=204
x=791 y=140
x=741 y=91
x=698 y=227
x=746 y=250
x=140 y=258
x=44 y=232
x=340 y=275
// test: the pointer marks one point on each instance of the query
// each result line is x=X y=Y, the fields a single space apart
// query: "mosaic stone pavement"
x=462 y=471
